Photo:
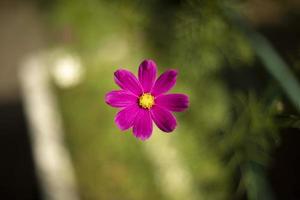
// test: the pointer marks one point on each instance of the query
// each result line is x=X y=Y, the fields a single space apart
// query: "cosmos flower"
x=143 y=100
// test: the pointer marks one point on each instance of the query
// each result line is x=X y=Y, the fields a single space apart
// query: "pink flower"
x=143 y=100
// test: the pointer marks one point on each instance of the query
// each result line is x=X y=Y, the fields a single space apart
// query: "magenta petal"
x=127 y=81
x=173 y=102
x=163 y=119
x=165 y=82
x=125 y=118
x=143 y=125
x=120 y=98
x=147 y=74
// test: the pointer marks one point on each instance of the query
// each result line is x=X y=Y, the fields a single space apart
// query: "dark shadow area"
x=17 y=171
x=284 y=172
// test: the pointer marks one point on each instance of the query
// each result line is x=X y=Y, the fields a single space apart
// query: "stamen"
x=146 y=101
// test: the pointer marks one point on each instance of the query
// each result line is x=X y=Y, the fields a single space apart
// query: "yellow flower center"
x=146 y=101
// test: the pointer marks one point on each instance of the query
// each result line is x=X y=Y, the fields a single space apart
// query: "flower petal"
x=173 y=102
x=147 y=74
x=143 y=125
x=120 y=98
x=127 y=81
x=163 y=119
x=165 y=82
x=125 y=118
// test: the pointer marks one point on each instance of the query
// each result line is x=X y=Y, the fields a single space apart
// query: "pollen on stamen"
x=146 y=101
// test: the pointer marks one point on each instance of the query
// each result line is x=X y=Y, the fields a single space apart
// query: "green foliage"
x=289 y=121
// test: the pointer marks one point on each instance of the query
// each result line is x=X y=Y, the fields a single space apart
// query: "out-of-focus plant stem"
x=272 y=61
x=255 y=181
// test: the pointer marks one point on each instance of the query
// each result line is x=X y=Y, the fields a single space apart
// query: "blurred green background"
x=243 y=96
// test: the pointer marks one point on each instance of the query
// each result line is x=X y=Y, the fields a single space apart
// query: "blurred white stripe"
x=52 y=159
